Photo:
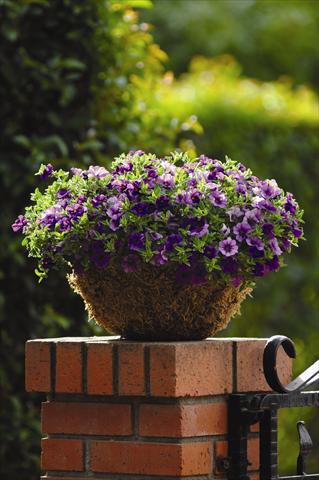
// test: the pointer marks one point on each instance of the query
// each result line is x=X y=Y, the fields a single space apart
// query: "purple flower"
x=267 y=189
x=236 y=280
x=195 y=196
x=47 y=172
x=76 y=210
x=131 y=263
x=235 y=212
x=218 y=199
x=290 y=205
x=253 y=216
x=225 y=230
x=167 y=180
x=99 y=256
x=268 y=229
x=255 y=242
x=229 y=265
x=114 y=224
x=195 y=274
x=228 y=247
x=241 y=230
x=159 y=258
x=172 y=240
x=136 y=241
x=255 y=253
x=141 y=209
x=260 y=270
x=126 y=166
x=273 y=244
x=64 y=224
x=198 y=227
x=273 y=264
x=96 y=172
x=210 y=252
x=77 y=171
x=241 y=188
x=297 y=232
x=19 y=224
x=115 y=208
x=98 y=200
x=50 y=216
x=162 y=202
x=81 y=198
x=152 y=173
x=63 y=193
x=155 y=235
x=285 y=244
x=184 y=197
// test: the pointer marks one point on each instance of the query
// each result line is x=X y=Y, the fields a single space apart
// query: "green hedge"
x=273 y=129
x=77 y=81
x=270 y=38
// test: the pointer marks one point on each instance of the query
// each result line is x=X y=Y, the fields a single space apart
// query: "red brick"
x=151 y=458
x=62 y=454
x=38 y=366
x=86 y=418
x=183 y=420
x=250 y=373
x=68 y=367
x=191 y=369
x=131 y=369
x=99 y=368
x=221 y=450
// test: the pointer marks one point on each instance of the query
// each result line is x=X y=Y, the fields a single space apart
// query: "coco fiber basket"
x=150 y=305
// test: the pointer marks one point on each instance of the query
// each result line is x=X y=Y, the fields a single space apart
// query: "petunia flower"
x=241 y=230
x=228 y=247
x=20 y=223
x=273 y=244
x=47 y=172
x=136 y=241
x=255 y=242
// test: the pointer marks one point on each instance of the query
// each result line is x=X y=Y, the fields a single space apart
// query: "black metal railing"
x=247 y=409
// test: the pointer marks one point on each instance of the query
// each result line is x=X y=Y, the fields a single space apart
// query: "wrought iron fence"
x=247 y=409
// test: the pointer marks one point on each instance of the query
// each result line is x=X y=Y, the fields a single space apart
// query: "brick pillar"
x=128 y=410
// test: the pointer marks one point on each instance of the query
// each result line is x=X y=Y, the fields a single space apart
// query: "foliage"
x=205 y=216
x=75 y=81
x=273 y=129
x=253 y=31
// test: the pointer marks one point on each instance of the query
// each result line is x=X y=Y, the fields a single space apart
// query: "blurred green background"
x=83 y=81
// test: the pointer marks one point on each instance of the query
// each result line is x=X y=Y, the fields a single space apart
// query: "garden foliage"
x=80 y=82
x=269 y=38
x=76 y=82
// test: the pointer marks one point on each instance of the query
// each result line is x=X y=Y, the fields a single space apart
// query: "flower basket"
x=161 y=248
x=150 y=304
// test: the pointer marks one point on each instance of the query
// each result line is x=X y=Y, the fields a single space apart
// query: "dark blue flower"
x=63 y=193
x=98 y=200
x=228 y=265
x=136 y=241
x=273 y=264
x=141 y=209
x=210 y=252
x=172 y=240
x=47 y=172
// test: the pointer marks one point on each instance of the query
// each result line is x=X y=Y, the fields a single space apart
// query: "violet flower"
x=228 y=247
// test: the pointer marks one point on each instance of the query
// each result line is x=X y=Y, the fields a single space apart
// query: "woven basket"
x=151 y=305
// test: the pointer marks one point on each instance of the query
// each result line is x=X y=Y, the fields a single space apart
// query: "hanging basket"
x=150 y=305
